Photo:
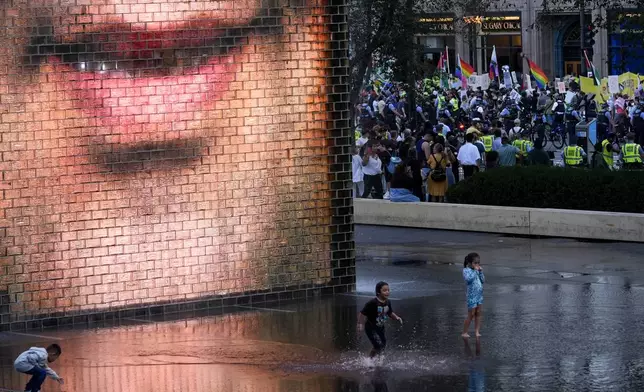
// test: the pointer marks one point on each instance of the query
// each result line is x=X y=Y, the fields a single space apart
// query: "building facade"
x=519 y=30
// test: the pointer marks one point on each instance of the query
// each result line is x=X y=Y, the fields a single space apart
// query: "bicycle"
x=556 y=135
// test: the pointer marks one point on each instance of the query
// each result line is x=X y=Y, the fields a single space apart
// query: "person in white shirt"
x=358 y=176
x=372 y=170
x=34 y=363
x=469 y=156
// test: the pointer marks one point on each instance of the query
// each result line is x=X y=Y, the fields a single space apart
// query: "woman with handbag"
x=438 y=162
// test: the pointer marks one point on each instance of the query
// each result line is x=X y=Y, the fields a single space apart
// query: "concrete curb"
x=507 y=220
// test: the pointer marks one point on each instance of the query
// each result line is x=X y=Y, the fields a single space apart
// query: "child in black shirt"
x=376 y=313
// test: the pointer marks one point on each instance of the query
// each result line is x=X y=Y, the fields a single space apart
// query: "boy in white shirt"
x=34 y=363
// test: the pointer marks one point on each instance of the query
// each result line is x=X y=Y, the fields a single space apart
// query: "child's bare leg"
x=477 y=320
x=468 y=320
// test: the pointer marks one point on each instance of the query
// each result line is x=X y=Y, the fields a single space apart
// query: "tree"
x=382 y=35
x=374 y=28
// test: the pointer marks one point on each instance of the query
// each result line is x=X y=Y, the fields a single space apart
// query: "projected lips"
x=137 y=83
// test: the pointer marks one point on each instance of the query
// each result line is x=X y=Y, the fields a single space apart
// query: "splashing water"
x=404 y=364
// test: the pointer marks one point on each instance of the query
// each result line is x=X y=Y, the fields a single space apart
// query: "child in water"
x=34 y=363
x=473 y=275
x=376 y=313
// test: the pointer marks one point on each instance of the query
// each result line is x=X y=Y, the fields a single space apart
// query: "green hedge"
x=552 y=187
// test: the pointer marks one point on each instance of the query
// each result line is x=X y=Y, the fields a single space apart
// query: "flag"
x=467 y=69
x=447 y=58
x=462 y=70
x=440 y=69
x=494 y=65
x=591 y=66
x=538 y=74
x=458 y=71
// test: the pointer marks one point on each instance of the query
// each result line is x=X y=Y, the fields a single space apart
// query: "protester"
x=402 y=185
x=438 y=162
x=507 y=153
x=372 y=170
x=469 y=157
x=358 y=176
x=491 y=160
x=538 y=156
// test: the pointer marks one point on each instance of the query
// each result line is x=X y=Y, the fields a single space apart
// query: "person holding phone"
x=372 y=170
x=474 y=278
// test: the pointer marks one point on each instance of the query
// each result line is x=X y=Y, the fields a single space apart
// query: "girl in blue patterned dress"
x=473 y=275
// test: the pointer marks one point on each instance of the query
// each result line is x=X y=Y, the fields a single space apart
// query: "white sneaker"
x=386 y=196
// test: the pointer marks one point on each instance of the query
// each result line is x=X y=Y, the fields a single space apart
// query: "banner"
x=629 y=83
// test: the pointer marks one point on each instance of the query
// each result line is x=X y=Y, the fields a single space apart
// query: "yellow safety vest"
x=441 y=102
x=357 y=134
x=572 y=155
x=487 y=142
x=632 y=153
x=518 y=144
x=454 y=103
x=608 y=155
x=524 y=146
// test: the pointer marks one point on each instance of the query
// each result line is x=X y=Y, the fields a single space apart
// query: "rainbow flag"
x=467 y=69
x=538 y=74
x=462 y=71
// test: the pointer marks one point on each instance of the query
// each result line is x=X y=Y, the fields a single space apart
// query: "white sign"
x=515 y=96
x=561 y=86
x=613 y=84
x=528 y=82
x=569 y=96
x=484 y=82
x=473 y=82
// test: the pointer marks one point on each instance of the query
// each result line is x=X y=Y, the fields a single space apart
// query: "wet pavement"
x=559 y=315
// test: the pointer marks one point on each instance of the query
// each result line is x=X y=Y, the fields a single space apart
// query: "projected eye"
x=153 y=54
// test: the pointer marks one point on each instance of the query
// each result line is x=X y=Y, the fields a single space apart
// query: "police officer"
x=632 y=153
x=525 y=146
x=559 y=110
x=610 y=147
x=574 y=156
x=488 y=141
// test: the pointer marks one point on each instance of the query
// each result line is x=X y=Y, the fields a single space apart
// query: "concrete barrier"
x=506 y=220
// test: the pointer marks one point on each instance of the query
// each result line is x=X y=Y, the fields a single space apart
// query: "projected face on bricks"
x=157 y=151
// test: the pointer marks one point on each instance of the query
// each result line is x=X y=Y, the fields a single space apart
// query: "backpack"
x=438 y=174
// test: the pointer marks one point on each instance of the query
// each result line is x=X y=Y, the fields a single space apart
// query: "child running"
x=34 y=363
x=473 y=275
x=376 y=312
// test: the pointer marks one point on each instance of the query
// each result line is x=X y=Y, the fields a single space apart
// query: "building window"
x=625 y=51
x=508 y=51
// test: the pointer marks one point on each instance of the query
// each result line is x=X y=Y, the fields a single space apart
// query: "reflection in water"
x=379 y=383
x=476 y=369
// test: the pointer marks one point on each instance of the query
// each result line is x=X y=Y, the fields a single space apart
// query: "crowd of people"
x=413 y=154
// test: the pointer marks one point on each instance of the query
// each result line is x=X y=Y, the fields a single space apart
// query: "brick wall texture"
x=163 y=151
